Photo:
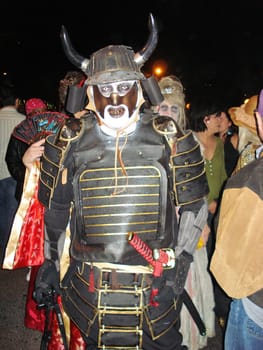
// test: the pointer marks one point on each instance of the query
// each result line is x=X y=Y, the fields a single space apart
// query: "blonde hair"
x=173 y=92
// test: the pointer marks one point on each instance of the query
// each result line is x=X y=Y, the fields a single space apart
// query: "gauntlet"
x=47 y=281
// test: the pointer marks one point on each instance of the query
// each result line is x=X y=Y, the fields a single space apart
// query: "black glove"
x=47 y=282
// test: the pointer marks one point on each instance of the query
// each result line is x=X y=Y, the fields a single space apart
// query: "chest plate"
x=117 y=192
x=113 y=203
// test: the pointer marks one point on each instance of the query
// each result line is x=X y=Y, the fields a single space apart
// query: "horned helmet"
x=113 y=80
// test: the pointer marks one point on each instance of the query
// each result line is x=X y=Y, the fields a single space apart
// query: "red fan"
x=39 y=126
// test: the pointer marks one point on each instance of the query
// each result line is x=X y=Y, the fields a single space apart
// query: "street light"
x=158 y=71
x=159 y=68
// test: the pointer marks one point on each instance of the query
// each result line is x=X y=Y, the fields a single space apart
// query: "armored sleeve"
x=190 y=189
x=55 y=189
x=186 y=162
x=54 y=167
x=190 y=182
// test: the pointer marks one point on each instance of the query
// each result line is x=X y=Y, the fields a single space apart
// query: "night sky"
x=214 y=45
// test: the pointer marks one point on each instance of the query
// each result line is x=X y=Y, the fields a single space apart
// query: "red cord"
x=91 y=281
x=154 y=293
x=141 y=247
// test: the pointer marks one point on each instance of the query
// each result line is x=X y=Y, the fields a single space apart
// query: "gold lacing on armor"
x=71 y=130
x=123 y=299
x=183 y=186
x=49 y=174
x=167 y=127
x=53 y=158
x=137 y=210
x=177 y=155
x=188 y=170
x=127 y=302
x=119 y=306
x=151 y=322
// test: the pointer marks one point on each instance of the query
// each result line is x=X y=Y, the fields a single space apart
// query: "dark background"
x=209 y=45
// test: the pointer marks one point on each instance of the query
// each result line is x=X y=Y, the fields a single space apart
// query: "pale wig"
x=244 y=118
x=173 y=92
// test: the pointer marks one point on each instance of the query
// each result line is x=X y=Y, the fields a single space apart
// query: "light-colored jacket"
x=9 y=118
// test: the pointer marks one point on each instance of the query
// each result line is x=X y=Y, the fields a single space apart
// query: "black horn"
x=143 y=55
x=75 y=58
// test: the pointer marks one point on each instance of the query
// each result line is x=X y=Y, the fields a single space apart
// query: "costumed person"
x=195 y=329
x=249 y=140
x=16 y=149
x=173 y=104
x=237 y=260
x=21 y=155
x=17 y=146
x=110 y=185
x=25 y=149
x=72 y=93
x=246 y=143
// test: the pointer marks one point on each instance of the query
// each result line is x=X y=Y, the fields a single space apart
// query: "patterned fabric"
x=39 y=126
x=247 y=155
x=199 y=286
x=26 y=248
x=33 y=105
x=26 y=243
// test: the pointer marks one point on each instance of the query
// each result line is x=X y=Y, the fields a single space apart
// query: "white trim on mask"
x=130 y=125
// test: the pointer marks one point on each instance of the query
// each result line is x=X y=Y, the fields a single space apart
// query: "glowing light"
x=158 y=71
x=159 y=68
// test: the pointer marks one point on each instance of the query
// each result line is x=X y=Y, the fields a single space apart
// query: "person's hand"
x=47 y=281
x=212 y=207
x=260 y=125
x=205 y=234
x=33 y=153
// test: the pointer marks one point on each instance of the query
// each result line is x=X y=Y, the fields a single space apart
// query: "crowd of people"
x=139 y=217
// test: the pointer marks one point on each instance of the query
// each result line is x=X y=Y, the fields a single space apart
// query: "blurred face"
x=36 y=111
x=225 y=123
x=169 y=110
x=213 y=122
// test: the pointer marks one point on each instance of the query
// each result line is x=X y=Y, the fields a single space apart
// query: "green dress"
x=216 y=172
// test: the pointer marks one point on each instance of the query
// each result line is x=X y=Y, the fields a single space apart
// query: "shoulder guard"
x=190 y=182
x=186 y=161
x=168 y=128
x=56 y=148
x=70 y=130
